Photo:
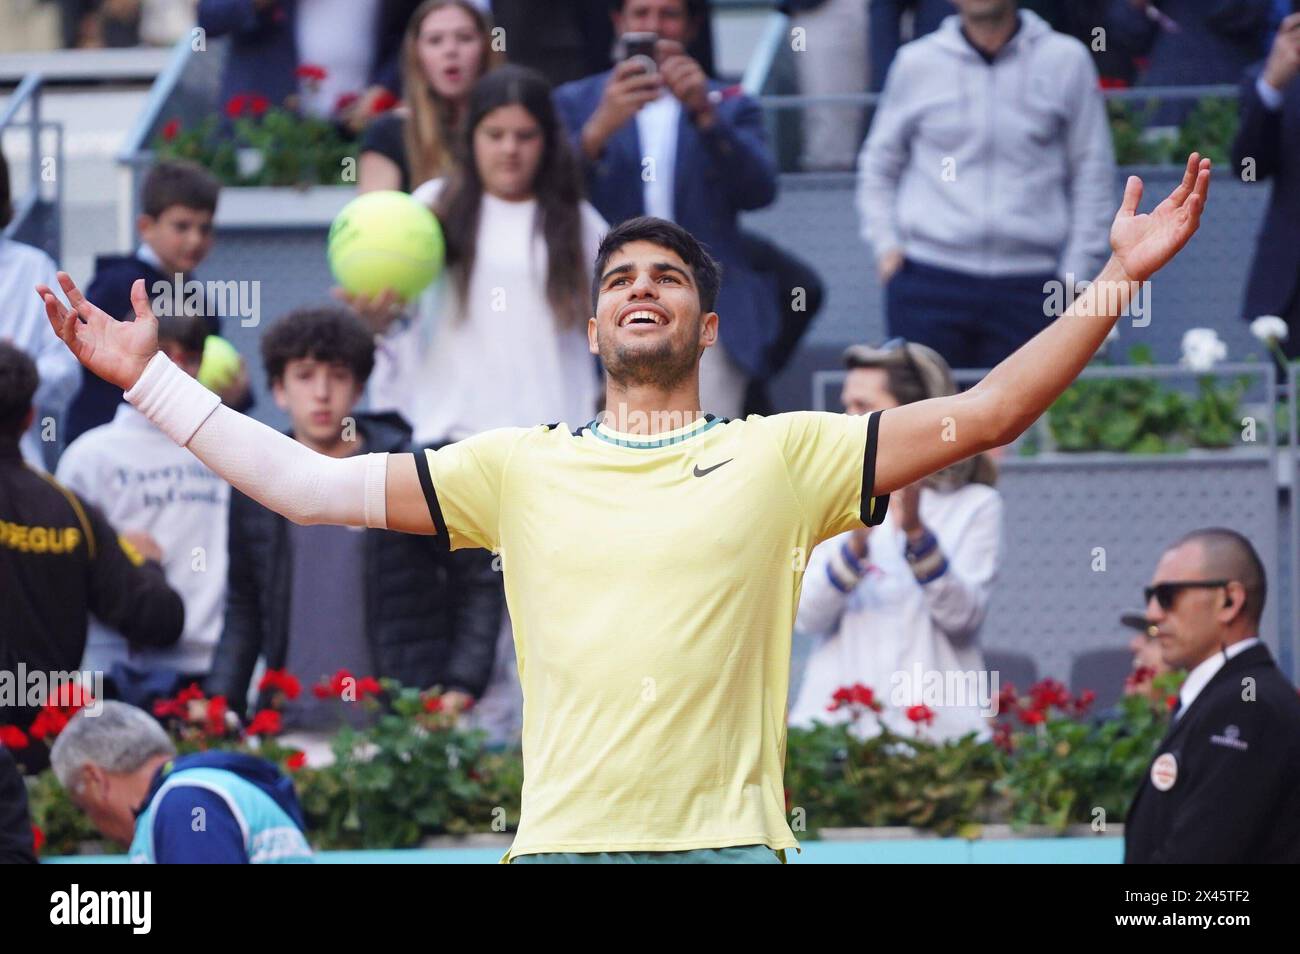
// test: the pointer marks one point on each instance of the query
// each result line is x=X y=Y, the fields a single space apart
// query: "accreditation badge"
x=1164 y=772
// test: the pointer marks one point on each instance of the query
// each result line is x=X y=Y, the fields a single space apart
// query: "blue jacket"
x=1272 y=140
x=245 y=811
x=719 y=173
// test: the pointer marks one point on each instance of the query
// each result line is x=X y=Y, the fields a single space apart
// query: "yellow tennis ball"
x=220 y=364
x=384 y=240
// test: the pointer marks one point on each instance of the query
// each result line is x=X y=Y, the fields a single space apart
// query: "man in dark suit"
x=661 y=138
x=1224 y=785
x=1268 y=142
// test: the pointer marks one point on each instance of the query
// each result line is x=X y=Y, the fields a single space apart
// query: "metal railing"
x=36 y=214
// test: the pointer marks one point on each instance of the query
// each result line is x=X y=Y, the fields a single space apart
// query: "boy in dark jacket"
x=314 y=600
x=178 y=201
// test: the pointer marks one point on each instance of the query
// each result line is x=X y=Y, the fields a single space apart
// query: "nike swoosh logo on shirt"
x=709 y=470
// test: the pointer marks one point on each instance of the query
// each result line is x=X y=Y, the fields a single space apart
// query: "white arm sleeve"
x=275 y=470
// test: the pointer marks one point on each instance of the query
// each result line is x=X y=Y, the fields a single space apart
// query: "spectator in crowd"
x=446 y=48
x=895 y=22
x=830 y=58
x=121 y=769
x=16 y=833
x=1268 y=147
x=1148 y=663
x=985 y=181
x=178 y=200
x=564 y=40
x=1191 y=42
x=320 y=56
x=1224 y=786
x=512 y=306
x=665 y=140
x=316 y=599
x=173 y=510
x=910 y=594
x=501 y=340
x=61 y=561
x=26 y=328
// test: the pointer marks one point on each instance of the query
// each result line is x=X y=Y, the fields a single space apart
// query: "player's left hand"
x=1142 y=244
x=684 y=77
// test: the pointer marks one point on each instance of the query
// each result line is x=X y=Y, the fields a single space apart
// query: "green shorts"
x=739 y=855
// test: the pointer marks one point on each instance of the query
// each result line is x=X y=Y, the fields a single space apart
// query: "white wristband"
x=173 y=401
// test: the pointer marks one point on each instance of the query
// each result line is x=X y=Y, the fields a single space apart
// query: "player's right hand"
x=116 y=351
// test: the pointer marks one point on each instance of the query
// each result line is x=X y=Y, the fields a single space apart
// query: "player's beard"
x=663 y=366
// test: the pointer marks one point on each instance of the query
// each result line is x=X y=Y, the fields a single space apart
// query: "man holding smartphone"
x=656 y=136
x=1268 y=147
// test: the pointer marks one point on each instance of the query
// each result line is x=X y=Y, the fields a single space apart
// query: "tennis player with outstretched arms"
x=653 y=557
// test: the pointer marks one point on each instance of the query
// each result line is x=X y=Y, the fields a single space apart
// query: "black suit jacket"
x=1272 y=140
x=1236 y=794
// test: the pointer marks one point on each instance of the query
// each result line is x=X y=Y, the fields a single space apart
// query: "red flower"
x=171 y=129
x=341 y=682
x=1032 y=716
x=266 y=722
x=1008 y=700
x=191 y=693
x=920 y=714
x=236 y=105
x=279 y=679
x=433 y=704
x=257 y=105
x=383 y=102
x=856 y=695
x=1003 y=738
x=12 y=737
x=321 y=691
x=1084 y=701
x=38 y=839
x=344 y=101
x=368 y=686
x=310 y=71
x=49 y=722
x=1048 y=692
x=216 y=718
x=1171 y=701
x=168 y=708
x=295 y=761
x=1138 y=678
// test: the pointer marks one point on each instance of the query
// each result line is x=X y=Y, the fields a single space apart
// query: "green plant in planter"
x=1062 y=766
x=257 y=145
x=839 y=779
x=1209 y=129
x=1142 y=416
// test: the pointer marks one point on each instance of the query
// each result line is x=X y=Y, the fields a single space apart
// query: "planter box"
x=255 y=207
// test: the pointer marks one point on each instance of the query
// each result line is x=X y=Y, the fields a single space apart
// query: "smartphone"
x=641 y=48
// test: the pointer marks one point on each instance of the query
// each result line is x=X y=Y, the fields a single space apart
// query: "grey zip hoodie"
x=992 y=170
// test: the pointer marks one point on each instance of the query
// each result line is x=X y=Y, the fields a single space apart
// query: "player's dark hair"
x=178 y=182
x=665 y=234
x=556 y=187
x=6 y=197
x=188 y=331
x=1230 y=556
x=331 y=334
x=18 y=381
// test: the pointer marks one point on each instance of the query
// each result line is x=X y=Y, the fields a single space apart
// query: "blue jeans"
x=973 y=322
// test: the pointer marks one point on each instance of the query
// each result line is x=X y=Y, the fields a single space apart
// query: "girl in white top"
x=500 y=340
x=898 y=607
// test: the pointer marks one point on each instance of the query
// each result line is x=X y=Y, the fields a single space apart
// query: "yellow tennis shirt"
x=652 y=583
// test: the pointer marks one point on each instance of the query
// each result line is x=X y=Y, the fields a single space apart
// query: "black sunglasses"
x=1165 y=593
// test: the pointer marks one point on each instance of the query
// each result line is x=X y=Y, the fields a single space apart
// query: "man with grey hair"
x=121 y=769
x=1225 y=783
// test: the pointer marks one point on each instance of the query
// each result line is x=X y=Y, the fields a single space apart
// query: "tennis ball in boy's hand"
x=384 y=240
x=220 y=364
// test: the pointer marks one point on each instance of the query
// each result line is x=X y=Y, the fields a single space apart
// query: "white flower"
x=1202 y=349
x=1269 y=328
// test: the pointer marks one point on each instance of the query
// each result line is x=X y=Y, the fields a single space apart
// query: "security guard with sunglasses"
x=1224 y=785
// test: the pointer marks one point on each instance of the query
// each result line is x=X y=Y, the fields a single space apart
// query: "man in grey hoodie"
x=987 y=176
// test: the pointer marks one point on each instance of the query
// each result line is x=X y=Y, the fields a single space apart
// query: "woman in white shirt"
x=500 y=340
x=898 y=607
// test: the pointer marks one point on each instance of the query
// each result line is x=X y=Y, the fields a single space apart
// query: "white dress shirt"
x=656 y=125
